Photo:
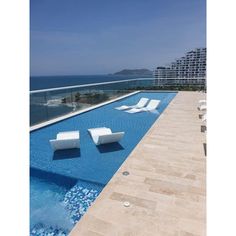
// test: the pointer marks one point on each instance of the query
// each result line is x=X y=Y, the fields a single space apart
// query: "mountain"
x=139 y=72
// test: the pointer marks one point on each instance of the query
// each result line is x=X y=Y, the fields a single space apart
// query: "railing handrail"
x=182 y=78
x=87 y=85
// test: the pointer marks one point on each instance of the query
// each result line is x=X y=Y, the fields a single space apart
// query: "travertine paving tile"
x=166 y=187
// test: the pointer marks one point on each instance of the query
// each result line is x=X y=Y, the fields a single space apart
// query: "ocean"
x=45 y=82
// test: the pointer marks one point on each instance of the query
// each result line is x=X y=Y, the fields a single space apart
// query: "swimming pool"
x=90 y=167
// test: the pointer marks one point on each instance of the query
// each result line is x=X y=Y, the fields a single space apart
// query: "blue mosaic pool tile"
x=76 y=201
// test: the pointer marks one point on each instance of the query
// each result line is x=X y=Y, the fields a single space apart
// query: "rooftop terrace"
x=166 y=186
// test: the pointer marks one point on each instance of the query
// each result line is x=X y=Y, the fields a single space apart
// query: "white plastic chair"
x=203 y=101
x=104 y=135
x=142 y=102
x=66 y=140
x=152 y=106
x=204 y=118
x=202 y=107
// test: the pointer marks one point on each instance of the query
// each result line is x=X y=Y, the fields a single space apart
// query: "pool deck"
x=166 y=187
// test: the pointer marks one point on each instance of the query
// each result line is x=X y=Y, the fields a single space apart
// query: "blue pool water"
x=87 y=169
x=54 y=209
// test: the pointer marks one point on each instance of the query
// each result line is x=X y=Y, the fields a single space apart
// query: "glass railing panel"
x=59 y=102
x=38 y=108
x=85 y=98
x=51 y=103
x=78 y=98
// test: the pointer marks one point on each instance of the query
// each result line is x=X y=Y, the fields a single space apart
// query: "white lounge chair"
x=202 y=101
x=104 y=135
x=65 y=140
x=152 y=106
x=142 y=102
x=202 y=107
x=204 y=118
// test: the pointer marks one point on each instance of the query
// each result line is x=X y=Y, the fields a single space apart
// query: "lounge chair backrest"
x=202 y=101
x=153 y=104
x=99 y=131
x=142 y=102
x=202 y=107
x=68 y=135
x=110 y=138
x=204 y=118
x=58 y=144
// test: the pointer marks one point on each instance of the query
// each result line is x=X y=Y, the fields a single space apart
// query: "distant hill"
x=139 y=72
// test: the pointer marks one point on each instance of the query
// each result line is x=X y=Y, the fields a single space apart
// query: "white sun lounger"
x=104 y=135
x=202 y=101
x=204 y=118
x=65 y=140
x=142 y=102
x=152 y=106
x=202 y=107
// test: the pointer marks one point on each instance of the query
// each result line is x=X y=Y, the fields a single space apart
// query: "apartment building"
x=192 y=65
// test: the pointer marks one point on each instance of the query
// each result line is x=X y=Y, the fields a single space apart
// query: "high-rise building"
x=192 y=65
x=164 y=72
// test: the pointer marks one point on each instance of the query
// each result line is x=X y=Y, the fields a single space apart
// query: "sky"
x=88 y=37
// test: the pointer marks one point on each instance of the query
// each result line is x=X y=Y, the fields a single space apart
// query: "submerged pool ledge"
x=166 y=185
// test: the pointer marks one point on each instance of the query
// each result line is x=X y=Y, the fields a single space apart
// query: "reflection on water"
x=156 y=112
